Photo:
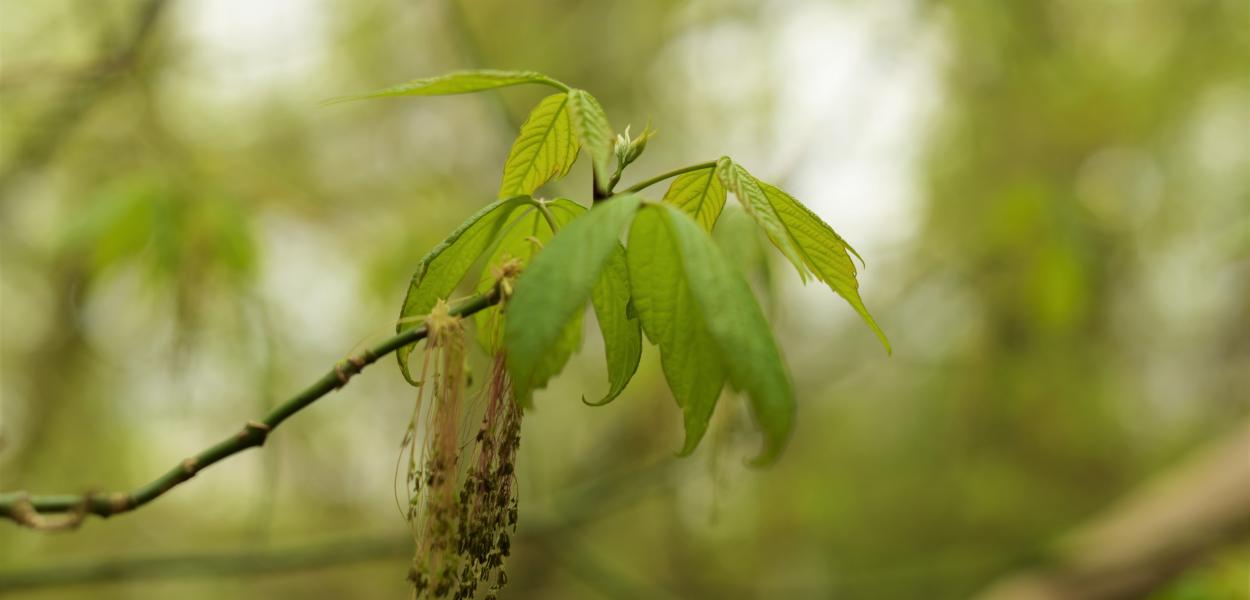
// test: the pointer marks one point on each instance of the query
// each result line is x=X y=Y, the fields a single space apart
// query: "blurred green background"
x=1051 y=197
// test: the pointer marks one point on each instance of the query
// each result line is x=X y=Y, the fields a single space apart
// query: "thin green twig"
x=31 y=511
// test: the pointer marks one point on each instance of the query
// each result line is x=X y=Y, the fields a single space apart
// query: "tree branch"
x=31 y=511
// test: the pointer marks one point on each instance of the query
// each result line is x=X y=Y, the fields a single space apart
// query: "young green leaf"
x=628 y=149
x=459 y=82
x=440 y=271
x=592 y=128
x=744 y=337
x=751 y=196
x=622 y=336
x=704 y=288
x=554 y=289
x=520 y=240
x=545 y=149
x=673 y=321
x=700 y=194
x=822 y=250
x=567 y=341
x=745 y=246
x=809 y=243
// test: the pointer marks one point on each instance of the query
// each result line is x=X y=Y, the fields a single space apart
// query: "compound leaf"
x=742 y=335
x=673 y=321
x=554 y=289
x=441 y=270
x=809 y=243
x=697 y=307
x=822 y=250
x=545 y=149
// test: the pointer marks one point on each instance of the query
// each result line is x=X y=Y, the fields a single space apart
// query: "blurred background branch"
x=575 y=508
x=239 y=562
x=1179 y=519
x=83 y=89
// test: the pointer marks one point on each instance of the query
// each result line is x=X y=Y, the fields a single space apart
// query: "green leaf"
x=752 y=198
x=690 y=297
x=808 y=242
x=440 y=271
x=744 y=245
x=592 y=128
x=553 y=290
x=564 y=345
x=673 y=321
x=622 y=334
x=545 y=149
x=459 y=82
x=521 y=239
x=823 y=250
x=738 y=326
x=700 y=194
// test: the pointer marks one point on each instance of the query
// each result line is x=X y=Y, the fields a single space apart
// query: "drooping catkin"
x=488 y=499
x=433 y=471
x=462 y=510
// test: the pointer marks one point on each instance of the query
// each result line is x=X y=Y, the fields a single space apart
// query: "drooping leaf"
x=807 y=242
x=459 y=82
x=441 y=270
x=554 y=289
x=744 y=245
x=545 y=149
x=742 y=335
x=566 y=343
x=665 y=304
x=522 y=238
x=752 y=198
x=591 y=125
x=823 y=251
x=700 y=194
x=622 y=334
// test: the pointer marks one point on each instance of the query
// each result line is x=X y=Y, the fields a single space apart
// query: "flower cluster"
x=433 y=472
x=461 y=538
x=488 y=499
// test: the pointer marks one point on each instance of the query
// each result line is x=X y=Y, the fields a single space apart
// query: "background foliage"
x=1050 y=195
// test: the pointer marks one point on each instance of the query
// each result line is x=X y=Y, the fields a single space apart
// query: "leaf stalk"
x=637 y=187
